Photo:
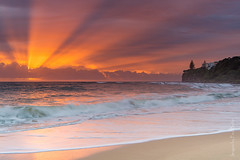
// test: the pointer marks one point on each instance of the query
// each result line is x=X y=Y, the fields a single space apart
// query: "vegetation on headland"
x=223 y=71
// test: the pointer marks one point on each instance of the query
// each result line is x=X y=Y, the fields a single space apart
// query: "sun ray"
x=52 y=19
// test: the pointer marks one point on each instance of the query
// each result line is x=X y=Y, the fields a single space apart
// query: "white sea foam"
x=111 y=113
x=210 y=85
x=16 y=115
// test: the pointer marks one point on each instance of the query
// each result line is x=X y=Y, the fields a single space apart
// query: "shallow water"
x=37 y=117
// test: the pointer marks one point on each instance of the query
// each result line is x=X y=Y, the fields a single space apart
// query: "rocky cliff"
x=225 y=71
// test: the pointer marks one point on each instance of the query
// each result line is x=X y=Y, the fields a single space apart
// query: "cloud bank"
x=18 y=72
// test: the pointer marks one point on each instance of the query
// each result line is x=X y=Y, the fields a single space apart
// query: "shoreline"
x=134 y=149
x=221 y=146
x=114 y=145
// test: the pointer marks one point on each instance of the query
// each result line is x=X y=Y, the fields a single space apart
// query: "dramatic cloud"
x=105 y=36
x=66 y=74
x=14 y=29
x=134 y=76
x=15 y=71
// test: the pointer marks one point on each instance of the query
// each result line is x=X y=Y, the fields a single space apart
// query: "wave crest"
x=10 y=115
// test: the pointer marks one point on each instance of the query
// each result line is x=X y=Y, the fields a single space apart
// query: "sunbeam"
x=111 y=35
x=82 y=27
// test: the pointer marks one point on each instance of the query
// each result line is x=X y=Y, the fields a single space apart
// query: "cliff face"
x=225 y=71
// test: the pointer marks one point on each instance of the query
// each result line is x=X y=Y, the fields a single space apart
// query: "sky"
x=114 y=39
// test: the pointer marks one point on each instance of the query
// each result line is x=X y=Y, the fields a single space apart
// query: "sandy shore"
x=223 y=146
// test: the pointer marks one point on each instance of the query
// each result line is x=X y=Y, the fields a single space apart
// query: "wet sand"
x=222 y=146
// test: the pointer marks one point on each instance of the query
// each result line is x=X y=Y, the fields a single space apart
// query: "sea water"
x=52 y=116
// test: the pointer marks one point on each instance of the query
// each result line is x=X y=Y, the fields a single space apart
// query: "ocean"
x=54 y=116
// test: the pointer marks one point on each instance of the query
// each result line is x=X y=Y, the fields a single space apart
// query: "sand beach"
x=221 y=146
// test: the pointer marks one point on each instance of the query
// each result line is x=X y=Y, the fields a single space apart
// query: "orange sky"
x=109 y=35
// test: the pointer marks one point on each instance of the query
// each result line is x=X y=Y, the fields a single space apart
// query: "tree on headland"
x=204 y=65
x=192 y=65
x=224 y=71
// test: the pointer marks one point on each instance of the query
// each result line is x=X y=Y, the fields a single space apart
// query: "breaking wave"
x=17 y=115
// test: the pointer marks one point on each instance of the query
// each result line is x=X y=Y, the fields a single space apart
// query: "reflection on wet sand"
x=59 y=155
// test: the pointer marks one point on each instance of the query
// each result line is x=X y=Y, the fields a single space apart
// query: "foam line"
x=131 y=142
